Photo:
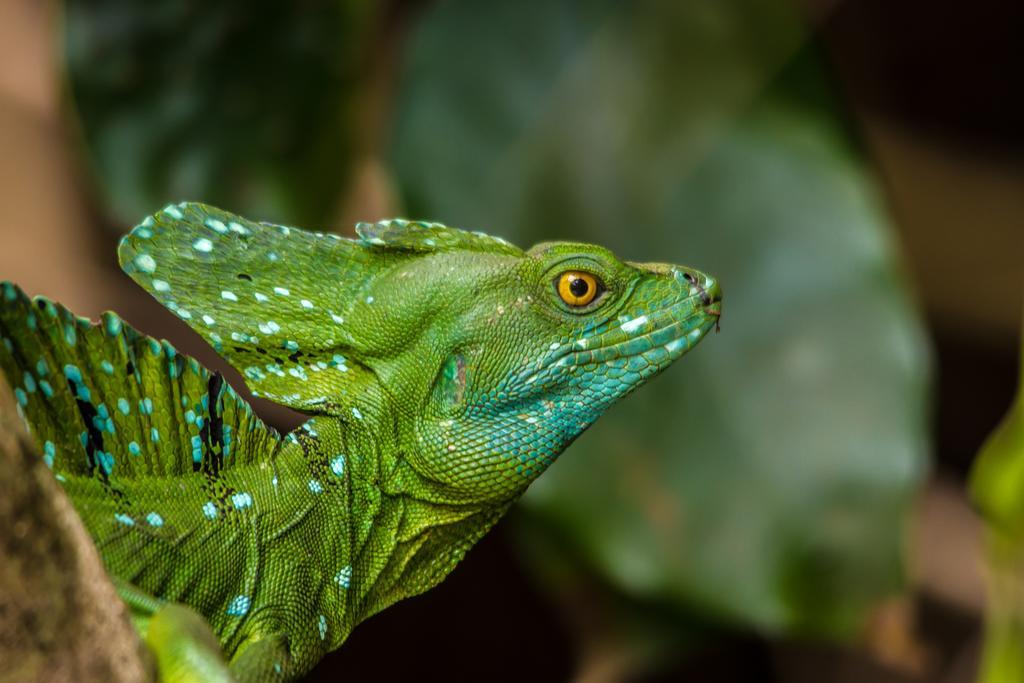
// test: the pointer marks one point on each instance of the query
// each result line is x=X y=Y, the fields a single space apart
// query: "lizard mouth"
x=630 y=350
x=651 y=340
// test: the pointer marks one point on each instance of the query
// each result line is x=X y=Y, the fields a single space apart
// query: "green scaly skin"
x=442 y=371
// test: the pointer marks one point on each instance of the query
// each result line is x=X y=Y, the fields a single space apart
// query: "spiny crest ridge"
x=423 y=236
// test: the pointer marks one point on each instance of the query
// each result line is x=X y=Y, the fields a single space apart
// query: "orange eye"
x=577 y=288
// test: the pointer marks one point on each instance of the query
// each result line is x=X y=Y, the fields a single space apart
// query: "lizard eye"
x=577 y=288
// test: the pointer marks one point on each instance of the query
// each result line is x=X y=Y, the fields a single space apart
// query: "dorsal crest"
x=421 y=236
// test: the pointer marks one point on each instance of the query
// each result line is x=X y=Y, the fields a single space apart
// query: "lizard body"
x=443 y=371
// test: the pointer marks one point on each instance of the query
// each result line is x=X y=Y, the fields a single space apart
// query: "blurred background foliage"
x=997 y=487
x=254 y=109
x=763 y=511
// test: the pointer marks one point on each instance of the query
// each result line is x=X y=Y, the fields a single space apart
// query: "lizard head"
x=483 y=361
x=523 y=353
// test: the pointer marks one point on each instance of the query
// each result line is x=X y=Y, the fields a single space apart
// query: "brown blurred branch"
x=60 y=617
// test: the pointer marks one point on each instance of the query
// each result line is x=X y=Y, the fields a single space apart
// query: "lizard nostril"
x=701 y=289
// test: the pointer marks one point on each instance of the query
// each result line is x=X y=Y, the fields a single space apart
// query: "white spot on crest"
x=269 y=327
x=161 y=285
x=306 y=303
x=283 y=291
x=145 y=263
x=208 y=320
x=261 y=297
x=203 y=244
x=216 y=225
x=229 y=295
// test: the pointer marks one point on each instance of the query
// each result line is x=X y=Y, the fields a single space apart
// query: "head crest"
x=420 y=236
x=274 y=300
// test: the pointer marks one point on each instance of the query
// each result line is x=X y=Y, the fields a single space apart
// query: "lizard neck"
x=348 y=531
x=329 y=528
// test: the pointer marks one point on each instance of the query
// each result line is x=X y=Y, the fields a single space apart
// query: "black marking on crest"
x=94 y=437
x=212 y=433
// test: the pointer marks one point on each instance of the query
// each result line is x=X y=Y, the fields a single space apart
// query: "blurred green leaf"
x=997 y=487
x=250 y=106
x=997 y=479
x=766 y=479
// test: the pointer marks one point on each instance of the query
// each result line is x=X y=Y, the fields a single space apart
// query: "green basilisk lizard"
x=442 y=371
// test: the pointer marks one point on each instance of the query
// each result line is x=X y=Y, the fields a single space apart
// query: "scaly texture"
x=444 y=371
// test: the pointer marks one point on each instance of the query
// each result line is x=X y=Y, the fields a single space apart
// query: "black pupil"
x=579 y=287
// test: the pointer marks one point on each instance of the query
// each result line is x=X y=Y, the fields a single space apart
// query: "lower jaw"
x=662 y=350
